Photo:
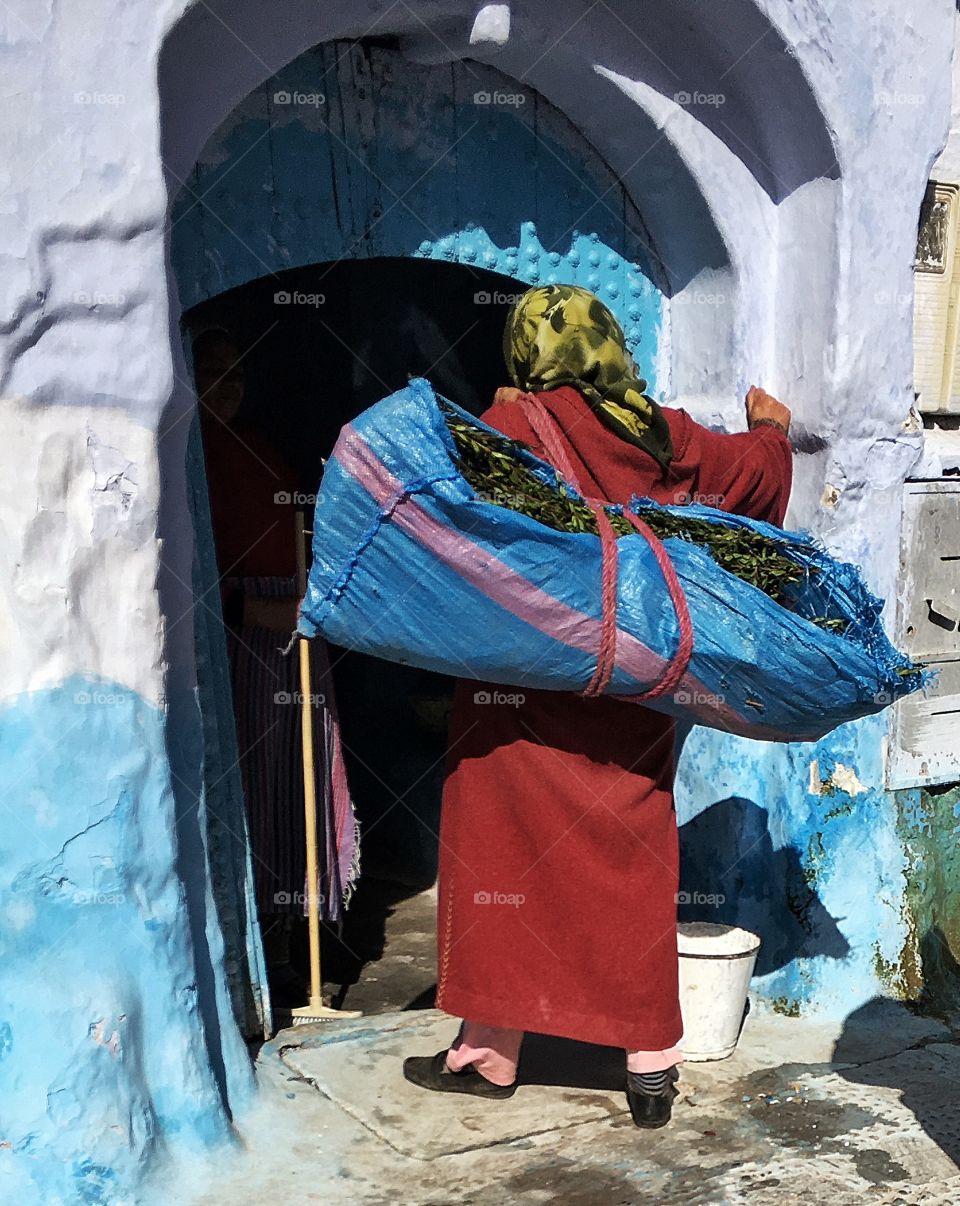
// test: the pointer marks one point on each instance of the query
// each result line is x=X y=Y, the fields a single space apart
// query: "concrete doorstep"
x=799 y=1113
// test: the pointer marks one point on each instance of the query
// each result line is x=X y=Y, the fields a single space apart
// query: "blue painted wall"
x=102 y=1061
x=777 y=839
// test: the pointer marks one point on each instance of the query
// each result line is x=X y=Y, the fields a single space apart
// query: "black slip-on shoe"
x=431 y=1072
x=651 y=1110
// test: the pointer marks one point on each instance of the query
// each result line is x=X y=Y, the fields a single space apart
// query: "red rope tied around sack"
x=547 y=432
x=607 y=653
x=676 y=668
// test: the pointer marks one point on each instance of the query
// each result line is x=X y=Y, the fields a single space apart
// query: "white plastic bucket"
x=716 y=963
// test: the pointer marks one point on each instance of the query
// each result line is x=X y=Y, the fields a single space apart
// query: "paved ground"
x=777 y=1123
x=864 y=1113
x=386 y=957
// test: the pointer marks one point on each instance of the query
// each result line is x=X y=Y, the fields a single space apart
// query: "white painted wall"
x=947 y=164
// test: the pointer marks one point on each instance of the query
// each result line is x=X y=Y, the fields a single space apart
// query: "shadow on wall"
x=923 y=1068
x=731 y=873
x=730 y=66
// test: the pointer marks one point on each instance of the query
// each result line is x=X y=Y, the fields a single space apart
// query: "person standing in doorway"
x=252 y=490
x=558 y=840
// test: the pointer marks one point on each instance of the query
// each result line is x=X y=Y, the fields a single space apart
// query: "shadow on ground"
x=927 y=1076
x=383 y=956
x=572 y=1065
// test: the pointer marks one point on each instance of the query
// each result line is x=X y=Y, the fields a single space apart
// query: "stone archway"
x=708 y=189
x=672 y=256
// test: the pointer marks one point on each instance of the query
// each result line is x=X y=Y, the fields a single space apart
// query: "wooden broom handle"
x=309 y=786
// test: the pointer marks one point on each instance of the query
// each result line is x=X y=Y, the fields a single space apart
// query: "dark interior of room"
x=320 y=344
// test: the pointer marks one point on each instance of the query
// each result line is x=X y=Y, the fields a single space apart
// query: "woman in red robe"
x=558 y=841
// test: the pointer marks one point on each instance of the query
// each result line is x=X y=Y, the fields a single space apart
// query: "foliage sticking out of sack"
x=491 y=464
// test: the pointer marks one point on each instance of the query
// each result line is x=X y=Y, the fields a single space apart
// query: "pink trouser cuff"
x=495 y=1052
x=653 y=1061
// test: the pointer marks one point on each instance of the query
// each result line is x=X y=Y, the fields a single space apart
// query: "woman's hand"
x=763 y=408
x=507 y=394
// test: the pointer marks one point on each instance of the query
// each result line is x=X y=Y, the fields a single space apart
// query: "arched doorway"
x=341 y=336
x=353 y=152
x=681 y=295
x=722 y=194
x=358 y=219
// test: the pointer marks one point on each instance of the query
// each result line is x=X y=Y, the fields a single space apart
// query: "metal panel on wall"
x=925 y=744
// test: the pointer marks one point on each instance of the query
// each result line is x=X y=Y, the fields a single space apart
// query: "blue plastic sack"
x=409 y=564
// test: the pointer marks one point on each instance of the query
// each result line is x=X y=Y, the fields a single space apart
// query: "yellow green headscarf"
x=563 y=335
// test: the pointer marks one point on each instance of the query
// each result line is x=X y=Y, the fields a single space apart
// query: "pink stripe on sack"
x=482 y=569
x=517 y=594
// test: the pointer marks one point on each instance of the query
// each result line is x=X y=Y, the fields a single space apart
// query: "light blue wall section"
x=103 y=1062
x=455 y=163
x=777 y=840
